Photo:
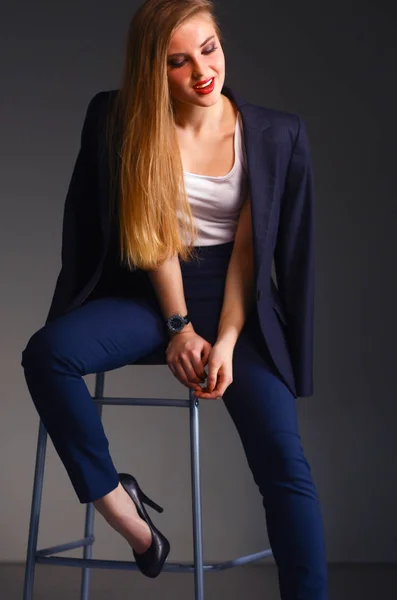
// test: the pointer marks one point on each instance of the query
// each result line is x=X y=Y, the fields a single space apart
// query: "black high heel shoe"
x=152 y=560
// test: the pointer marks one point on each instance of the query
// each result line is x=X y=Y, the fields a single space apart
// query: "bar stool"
x=86 y=563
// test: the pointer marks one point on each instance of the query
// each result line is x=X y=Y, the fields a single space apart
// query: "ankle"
x=110 y=501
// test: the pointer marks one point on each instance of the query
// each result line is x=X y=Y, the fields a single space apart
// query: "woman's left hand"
x=220 y=371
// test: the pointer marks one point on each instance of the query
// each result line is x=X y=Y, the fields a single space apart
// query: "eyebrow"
x=183 y=53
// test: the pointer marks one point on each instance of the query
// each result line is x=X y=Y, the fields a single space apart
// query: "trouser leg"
x=264 y=413
x=101 y=335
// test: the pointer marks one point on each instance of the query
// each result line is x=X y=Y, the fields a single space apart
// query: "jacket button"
x=259 y=294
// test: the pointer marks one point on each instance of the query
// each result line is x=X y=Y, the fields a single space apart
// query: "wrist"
x=188 y=328
x=227 y=339
x=177 y=322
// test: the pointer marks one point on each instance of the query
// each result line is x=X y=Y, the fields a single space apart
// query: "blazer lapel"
x=261 y=167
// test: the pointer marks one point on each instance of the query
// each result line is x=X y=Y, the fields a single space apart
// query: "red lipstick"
x=207 y=89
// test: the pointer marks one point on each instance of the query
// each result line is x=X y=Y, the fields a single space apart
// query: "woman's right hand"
x=187 y=354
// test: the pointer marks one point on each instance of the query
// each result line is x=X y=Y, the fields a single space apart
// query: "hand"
x=187 y=354
x=220 y=371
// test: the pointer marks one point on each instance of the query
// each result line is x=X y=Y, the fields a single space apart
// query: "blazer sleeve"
x=80 y=228
x=294 y=260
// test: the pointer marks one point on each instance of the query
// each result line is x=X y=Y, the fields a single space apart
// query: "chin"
x=211 y=98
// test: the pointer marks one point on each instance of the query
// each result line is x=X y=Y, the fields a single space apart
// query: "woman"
x=151 y=265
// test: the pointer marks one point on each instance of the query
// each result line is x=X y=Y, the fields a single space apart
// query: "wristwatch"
x=176 y=322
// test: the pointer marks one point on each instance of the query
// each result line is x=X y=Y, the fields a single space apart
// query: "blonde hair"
x=151 y=188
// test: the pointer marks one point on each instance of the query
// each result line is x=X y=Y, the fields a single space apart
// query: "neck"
x=200 y=119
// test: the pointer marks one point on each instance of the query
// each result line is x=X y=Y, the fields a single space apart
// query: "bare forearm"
x=238 y=295
x=167 y=283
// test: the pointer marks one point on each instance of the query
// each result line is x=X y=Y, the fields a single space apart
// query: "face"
x=195 y=55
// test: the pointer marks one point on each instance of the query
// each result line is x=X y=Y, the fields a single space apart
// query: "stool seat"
x=157 y=357
x=86 y=563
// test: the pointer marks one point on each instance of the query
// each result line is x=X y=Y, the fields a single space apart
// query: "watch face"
x=176 y=323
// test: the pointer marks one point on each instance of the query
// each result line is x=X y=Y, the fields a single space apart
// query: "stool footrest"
x=124 y=565
x=87 y=541
x=123 y=401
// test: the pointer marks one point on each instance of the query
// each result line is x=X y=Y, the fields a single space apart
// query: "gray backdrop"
x=332 y=63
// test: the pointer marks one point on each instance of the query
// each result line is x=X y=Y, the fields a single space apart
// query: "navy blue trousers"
x=115 y=327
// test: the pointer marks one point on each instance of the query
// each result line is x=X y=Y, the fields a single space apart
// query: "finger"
x=212 y=377
x=181 y=375
x=178 y=376
x=205 y=353
x=215 y=395
x=198 y=366
x=222 y=384
x=191 y=374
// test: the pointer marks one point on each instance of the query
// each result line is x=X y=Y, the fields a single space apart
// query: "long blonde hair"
x=151 y=188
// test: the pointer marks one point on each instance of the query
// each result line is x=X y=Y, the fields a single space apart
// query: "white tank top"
x=216 y=201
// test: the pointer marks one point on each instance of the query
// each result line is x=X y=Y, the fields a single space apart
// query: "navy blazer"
x=281 y=191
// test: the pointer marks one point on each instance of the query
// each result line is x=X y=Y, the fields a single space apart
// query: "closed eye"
x=176 y=65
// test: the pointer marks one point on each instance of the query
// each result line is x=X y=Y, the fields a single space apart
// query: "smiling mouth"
x=200 y=87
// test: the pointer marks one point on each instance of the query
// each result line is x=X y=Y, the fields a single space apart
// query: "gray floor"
x=249 y=582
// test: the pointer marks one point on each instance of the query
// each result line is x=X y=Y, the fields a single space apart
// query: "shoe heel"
x=150 y=502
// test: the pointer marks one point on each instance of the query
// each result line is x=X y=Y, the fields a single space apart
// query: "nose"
x=197 y=69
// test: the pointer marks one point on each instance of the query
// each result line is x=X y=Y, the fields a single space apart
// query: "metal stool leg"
x=35 y=513
x=87 y=551
x=90 y=510
x=196 y=497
